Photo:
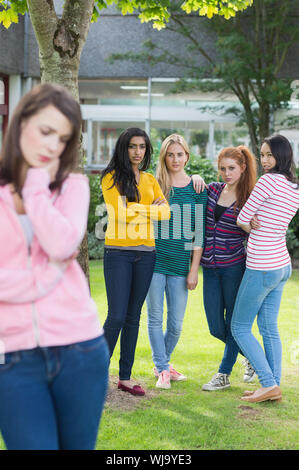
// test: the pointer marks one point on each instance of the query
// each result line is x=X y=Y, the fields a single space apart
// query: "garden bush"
x=293 y=234
x=95 y=246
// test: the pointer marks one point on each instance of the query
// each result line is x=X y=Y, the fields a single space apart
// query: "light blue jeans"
x=260 y=295
x=163 y=344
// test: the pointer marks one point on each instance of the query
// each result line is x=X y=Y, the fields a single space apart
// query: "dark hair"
x=34 y=101
x=120 y=165
x=282 y=151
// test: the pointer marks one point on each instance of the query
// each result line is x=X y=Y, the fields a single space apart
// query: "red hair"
x=244 y=158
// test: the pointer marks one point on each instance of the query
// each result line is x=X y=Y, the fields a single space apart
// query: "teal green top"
x=176 y=238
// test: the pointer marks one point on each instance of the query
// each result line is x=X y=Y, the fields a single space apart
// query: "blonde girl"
x=177 y=256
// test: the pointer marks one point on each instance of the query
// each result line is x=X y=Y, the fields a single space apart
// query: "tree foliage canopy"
x=157 y=11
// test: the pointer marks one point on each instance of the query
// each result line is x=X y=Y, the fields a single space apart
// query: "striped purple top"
x=224 y=240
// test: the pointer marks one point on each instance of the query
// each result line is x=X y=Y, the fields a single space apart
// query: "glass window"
x=114 y=92
x=110 y=106
x=99 y=146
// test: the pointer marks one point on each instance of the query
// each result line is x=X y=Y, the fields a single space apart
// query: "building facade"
x=116 y=95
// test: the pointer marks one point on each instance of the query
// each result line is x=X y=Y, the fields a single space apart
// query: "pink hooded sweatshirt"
x=45 y=303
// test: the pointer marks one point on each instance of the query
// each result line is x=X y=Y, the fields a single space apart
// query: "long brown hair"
x=38 y=98
x=245 y=159
x=162 y=172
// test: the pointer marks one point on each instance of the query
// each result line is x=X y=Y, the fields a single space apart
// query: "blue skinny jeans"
x=128 y=274
x=220 y=288
x=52 y=398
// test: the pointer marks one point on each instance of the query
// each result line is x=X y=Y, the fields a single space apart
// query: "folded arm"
x=123 y=211
x=158 y=210
x=263 y=189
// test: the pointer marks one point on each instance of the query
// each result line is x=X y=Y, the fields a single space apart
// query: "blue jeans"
x=162 y=345
x=260 y=295
x=128 y=274
x=220 y=288
x=52 y=398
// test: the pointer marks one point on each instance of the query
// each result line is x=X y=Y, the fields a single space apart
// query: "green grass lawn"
x=185 y=417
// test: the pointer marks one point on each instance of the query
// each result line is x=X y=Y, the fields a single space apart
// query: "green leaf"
x=19 y=6
x=7 y=17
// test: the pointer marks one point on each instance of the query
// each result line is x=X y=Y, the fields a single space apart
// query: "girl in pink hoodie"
x=54 y=361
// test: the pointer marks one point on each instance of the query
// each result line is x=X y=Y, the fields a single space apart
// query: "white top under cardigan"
x=27 y=227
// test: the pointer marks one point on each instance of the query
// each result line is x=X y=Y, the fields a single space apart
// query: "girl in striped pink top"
x=266 y=216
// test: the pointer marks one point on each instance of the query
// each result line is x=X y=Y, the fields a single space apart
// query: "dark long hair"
x=34 y=101
x=282 y=151
x=120 y=165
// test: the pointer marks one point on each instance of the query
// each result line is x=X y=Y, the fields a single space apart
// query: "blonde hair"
x=162 y=172
x=243 y=157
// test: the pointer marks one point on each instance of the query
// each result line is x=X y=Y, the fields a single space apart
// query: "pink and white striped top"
x=274 y=200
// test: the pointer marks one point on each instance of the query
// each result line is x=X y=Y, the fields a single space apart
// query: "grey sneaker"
x=249 y=373
x=218 y=382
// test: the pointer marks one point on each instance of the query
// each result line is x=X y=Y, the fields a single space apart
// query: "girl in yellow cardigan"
x=133 y=199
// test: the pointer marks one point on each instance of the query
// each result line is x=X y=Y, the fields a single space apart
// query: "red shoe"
x=135 y=390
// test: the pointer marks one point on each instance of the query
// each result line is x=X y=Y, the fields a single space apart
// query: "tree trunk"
x=250 y=122
x=60 y=42
x=264 y=121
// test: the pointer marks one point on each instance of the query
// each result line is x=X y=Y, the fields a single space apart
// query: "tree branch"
x=77 y=16
x=185 y=32
x=44 y=21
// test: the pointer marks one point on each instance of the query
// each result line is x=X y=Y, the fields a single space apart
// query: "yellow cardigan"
x=130 y=223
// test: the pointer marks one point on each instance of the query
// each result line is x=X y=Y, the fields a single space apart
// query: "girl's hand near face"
x=198 y=183
x=52 y=168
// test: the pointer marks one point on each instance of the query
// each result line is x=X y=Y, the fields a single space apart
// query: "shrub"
x=96 y=198
x=201 y=166
x=95 y=247
x=293 y=234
